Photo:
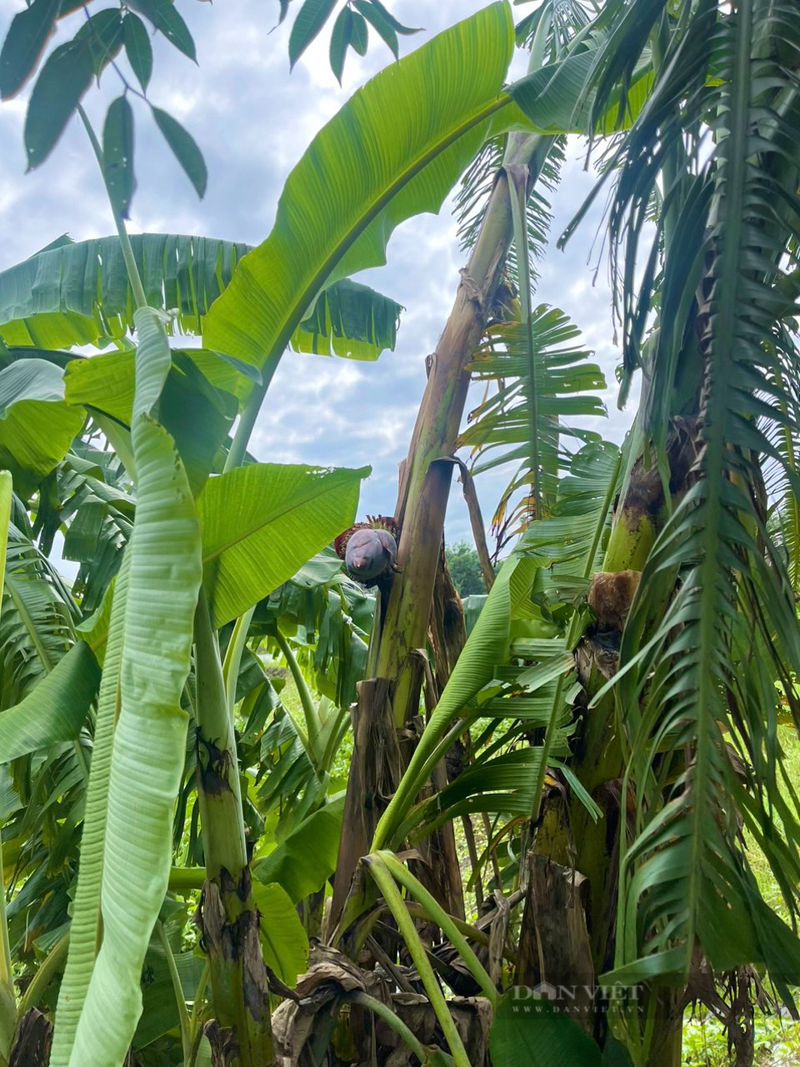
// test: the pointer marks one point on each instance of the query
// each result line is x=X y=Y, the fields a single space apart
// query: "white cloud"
x=253 y=122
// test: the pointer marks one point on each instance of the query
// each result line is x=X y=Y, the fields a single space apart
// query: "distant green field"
x=777 y=1037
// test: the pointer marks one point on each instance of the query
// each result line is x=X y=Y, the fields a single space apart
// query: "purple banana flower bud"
x=369 y=553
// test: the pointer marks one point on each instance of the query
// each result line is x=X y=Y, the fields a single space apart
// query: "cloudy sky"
x=253 y=121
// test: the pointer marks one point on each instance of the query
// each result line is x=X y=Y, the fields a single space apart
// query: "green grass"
x=777 y=1042
x=777 y=1039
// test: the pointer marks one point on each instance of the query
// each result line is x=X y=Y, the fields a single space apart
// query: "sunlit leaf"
x=77 y=293
x=36 y=425
x=283 y=939
x=334 y=220
x=149 y=741
x=261 y=522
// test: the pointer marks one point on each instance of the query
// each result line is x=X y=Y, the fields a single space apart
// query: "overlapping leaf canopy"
x=394 y=150
x=79 y=294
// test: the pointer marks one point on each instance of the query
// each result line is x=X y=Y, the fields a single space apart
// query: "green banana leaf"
x=36 y=624
x=330 y=618
x=529 y=1032
x=303 y=861
x=555 y=100
x=86 y=908
x=36 y=424
x=195 y=406
x=55 y=710
x=283 y=939
x=261 y=522
x=152 y=635
x=394 y=150
x=160 y=1014
x=78 y=294
x=8 y=1006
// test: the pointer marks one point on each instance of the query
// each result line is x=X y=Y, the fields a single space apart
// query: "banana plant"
x=713 y=553
x=707 y=330
x=227 y=592
x=229 y=540
x=193 y=555
x=7 y=997
x=517 y=663
x=675 y=380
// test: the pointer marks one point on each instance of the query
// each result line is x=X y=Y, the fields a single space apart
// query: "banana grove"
x=271 y=793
